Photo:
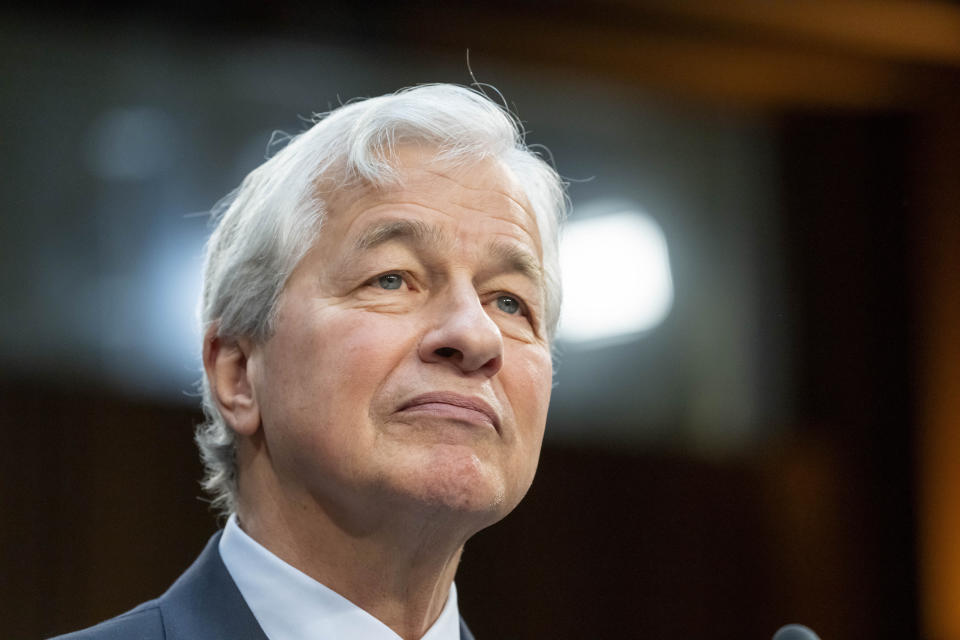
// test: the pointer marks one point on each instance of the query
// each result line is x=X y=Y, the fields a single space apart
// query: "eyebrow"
x=515 y=259
x=420 y=234
x=413 y=231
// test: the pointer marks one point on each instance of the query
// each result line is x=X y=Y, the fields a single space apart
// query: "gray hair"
x=265 y=227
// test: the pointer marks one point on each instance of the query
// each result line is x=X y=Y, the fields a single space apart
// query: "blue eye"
x=390 y=281
x=508 y=304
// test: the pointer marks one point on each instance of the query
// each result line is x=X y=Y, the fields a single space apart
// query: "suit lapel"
x=205 y=603
x=464 y=631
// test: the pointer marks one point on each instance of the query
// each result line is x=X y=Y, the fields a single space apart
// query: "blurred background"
x=757 y=413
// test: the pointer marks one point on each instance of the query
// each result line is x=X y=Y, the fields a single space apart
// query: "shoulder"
x=142 y=623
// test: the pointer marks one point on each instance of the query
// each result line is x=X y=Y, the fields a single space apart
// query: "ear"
x=225 y=361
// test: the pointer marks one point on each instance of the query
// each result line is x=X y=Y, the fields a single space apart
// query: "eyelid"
x=527 y=312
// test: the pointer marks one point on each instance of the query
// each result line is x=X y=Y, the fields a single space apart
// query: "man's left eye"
x=390 y=281
x=508 y=304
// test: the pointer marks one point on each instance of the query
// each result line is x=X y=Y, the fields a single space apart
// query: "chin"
x=454 y=480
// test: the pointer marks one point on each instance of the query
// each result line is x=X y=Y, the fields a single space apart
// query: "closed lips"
x=454 y=404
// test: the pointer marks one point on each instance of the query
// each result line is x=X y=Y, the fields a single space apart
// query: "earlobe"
x=226 y=361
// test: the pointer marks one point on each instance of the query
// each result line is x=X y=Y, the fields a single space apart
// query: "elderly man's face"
x=410 y=366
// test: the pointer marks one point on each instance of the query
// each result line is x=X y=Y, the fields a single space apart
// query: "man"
x=379 y=302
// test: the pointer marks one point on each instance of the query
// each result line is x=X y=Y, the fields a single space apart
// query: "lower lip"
x=452 y=412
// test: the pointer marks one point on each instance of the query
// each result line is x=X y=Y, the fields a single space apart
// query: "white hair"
x=265 y=227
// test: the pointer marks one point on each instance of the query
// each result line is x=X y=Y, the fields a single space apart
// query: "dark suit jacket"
x=203 y=604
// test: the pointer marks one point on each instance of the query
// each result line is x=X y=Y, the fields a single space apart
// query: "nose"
x=463 y=335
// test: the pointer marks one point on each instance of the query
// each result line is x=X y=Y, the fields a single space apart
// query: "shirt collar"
x=290 y=605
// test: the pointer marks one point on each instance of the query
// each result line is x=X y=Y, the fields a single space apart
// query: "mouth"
x=444 y=404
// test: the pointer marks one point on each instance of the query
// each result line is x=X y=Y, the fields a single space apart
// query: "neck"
x=399 y=569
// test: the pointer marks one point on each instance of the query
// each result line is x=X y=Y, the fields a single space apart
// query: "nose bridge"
x=461 y=305
x=463 y=332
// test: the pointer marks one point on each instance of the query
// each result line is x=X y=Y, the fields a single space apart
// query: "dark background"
x=782 y=449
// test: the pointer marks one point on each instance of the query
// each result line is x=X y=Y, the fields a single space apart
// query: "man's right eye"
x=389 y=281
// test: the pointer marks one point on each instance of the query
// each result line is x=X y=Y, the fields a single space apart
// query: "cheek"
x=528 y=384
x=531 y=380
x=335 y=361
x=321 y=377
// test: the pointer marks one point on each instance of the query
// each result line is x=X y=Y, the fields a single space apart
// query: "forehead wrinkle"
x=500 y=191
x=420 y=231
x=416 y=232
x=410 y=200
x=509 y=256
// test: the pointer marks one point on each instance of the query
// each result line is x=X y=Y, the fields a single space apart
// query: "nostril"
x=446 y=352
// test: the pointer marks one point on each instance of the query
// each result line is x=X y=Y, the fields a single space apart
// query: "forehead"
x=482 y=199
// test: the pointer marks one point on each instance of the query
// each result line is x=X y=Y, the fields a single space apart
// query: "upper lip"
x=457 y=400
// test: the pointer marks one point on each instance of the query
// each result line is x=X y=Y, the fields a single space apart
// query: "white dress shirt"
x=290 y=605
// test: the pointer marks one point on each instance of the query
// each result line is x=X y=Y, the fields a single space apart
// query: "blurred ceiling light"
x=616 y=277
